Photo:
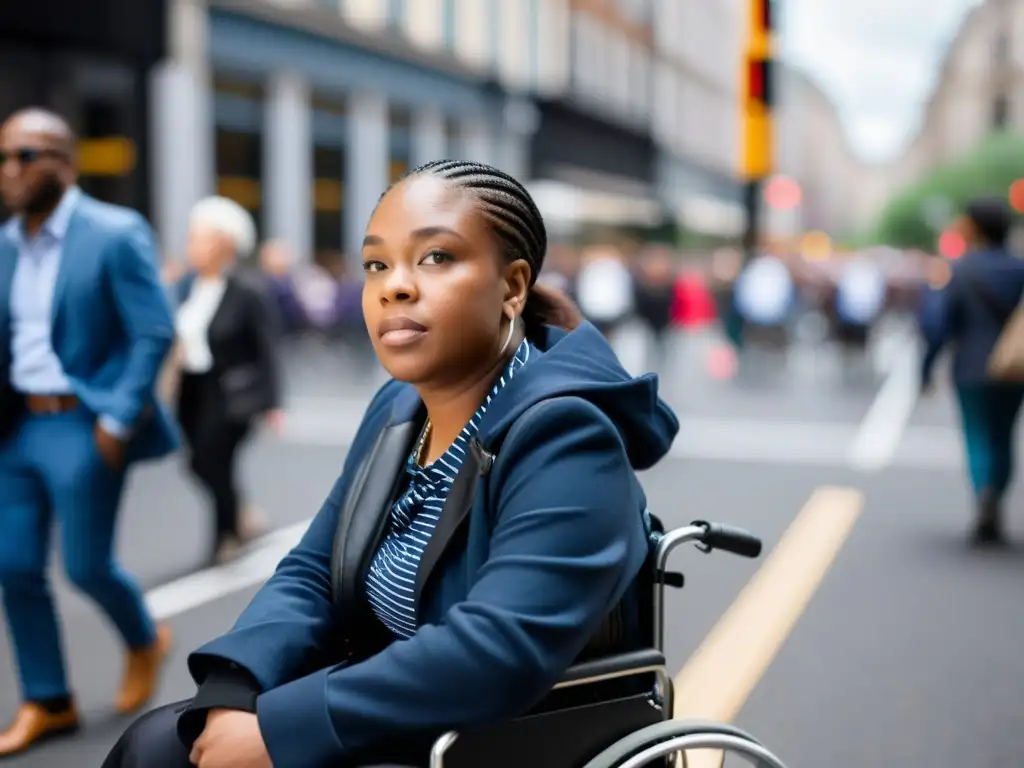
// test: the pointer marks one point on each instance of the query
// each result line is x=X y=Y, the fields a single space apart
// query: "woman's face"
x=438 y=294
x=209 y=251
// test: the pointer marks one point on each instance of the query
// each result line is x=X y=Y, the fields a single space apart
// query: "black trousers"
x=152 y=742
x=213 y=441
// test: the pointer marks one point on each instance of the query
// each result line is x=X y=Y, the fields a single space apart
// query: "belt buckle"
x=53 y=405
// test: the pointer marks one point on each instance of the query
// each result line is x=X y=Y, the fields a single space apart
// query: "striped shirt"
x=391 y=580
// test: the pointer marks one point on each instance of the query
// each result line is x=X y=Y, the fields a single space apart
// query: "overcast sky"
x=876 y=58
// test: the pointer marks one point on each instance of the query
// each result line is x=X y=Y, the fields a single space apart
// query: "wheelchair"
x=613 y=707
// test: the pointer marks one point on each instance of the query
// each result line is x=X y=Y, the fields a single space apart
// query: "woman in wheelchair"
x=487 y=519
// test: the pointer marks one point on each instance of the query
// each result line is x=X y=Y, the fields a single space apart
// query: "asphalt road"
x=907 y=652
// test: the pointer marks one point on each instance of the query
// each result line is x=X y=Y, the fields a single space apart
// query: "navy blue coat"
x=529 y=556
x=959 y=315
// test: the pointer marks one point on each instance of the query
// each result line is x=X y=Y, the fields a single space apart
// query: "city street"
x=877 y=638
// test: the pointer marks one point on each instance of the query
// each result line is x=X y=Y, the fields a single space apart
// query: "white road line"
x=210 y=584
x=881 y=431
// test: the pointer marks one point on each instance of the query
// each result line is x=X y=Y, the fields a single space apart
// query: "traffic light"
x=762 y=14
x=757 y=156
x=759 y=82
x=762 y=25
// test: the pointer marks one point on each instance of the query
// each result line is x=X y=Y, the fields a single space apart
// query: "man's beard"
x=46 y=197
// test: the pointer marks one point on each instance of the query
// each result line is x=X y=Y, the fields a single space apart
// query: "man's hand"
x=275 y=421
x=111 y=448
x=231 y=739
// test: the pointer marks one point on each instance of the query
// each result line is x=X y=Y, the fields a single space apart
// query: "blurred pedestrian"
x=655 y=299
x=765 y=296
x=859 y=301
x=230 y=373
x=604 y=289
x=86 y=326
x=726 y=265
x=970 y=312
x=276 y=262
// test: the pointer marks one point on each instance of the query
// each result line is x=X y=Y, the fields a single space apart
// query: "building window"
x=104 y=103
x=1002 y=49
x=533 y=33
x=396 y=13
x=238 y=114
x=494 y=32
x=449 y=29
x=1000 y=112
x=399 y=141
x=329 y=156
x=640 y=86
x=621 y=79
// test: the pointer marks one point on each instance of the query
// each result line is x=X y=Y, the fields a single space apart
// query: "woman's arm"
x=293 y=616
x=567 y=542
x=940 y=319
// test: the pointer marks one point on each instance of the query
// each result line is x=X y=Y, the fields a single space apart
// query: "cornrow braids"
x=505 y=203
x=515 y=219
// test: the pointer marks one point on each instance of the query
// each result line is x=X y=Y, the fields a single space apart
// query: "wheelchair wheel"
x=644 y=747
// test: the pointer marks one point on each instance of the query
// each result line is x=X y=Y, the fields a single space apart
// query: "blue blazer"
x=112 y=325
x=528 y=558
x=959 y=314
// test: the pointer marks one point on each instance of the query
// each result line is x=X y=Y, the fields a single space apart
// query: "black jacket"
x=244 y=342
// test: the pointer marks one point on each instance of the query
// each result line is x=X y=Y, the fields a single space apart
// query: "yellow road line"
x=722 y=673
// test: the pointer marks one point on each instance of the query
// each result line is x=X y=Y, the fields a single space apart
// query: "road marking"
x=717 y=680
x=210 y=584
x=878 y=438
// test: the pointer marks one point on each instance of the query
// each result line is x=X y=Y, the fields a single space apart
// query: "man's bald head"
x=37 y=161
x=45 y=124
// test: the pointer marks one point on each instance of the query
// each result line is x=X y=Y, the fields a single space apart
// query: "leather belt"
x=50 y=404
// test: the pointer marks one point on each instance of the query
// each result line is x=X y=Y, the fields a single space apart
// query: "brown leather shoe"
x=142 y=672
x=32 y=724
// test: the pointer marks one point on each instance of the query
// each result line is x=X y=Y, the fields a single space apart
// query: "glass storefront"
x=400 y=141
x=328 y=174
x=238 y=147
x=103 y=98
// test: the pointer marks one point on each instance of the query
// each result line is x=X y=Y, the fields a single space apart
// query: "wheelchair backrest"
x=630 y=624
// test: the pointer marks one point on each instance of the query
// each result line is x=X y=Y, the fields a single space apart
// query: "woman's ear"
x=517 y=286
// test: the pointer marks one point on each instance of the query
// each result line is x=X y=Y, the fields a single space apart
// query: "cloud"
x=877 y=59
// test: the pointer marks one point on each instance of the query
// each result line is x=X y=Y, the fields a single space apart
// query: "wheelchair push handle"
x=729 y=538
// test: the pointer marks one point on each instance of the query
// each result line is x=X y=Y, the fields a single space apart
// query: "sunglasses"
x=28 y=155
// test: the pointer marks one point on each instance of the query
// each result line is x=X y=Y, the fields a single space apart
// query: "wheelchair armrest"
x=644 y=661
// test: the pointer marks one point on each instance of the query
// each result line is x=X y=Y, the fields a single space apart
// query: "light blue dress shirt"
x=35 y=367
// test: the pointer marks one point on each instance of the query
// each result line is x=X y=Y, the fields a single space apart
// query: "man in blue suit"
x=84 y=330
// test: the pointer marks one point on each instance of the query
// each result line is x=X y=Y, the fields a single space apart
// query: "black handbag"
x=246 y=394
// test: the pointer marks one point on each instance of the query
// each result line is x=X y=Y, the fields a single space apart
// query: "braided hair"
x=515 y=220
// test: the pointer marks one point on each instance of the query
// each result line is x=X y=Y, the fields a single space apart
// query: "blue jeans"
x=989 y=415
x=51 y=468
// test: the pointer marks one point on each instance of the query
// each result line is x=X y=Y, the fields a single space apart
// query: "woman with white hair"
x=228 y=358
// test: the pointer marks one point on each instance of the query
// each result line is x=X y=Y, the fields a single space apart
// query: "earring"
x=508 y=339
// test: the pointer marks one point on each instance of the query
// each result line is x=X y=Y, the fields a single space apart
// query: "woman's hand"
x=231 y=739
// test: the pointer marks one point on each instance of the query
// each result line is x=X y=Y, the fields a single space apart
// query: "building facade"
x=616 y=112
x=696 y=115
x=838 y=190
x=61 y=55
x=316 y=107
x=979 y=90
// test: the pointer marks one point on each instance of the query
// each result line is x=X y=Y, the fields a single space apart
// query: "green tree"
x=911 y=218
